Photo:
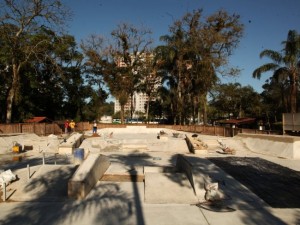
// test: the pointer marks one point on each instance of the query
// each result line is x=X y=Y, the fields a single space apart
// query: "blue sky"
x=267 y=23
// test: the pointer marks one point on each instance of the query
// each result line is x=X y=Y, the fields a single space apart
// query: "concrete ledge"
x=196 y=146
x=87 y=175
x=121 y=173
x=71 y=143
x=274 y=145
x=182 y=165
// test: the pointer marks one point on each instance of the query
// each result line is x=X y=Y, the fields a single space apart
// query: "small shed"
x=240 y=122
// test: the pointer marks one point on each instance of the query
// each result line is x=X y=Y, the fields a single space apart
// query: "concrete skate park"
x=139 y=175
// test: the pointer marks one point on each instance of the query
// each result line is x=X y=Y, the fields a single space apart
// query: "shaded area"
x=19 y=161
x=216 y=206
x=108 y=203
x=278 y=186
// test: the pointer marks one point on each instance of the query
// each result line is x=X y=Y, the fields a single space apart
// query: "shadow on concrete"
x=107 y=204
x=276 y=185
x=252 y=210
x=14 y=162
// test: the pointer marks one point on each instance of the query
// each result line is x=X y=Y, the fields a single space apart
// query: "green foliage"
x=233 y=100
x=286 y=71
x=194 y=56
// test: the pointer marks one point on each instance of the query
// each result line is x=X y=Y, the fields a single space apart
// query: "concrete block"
x=87 y=175
x=71 y=143
x=195 y=145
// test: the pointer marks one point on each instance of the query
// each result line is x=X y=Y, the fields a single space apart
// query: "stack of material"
x=225 y=149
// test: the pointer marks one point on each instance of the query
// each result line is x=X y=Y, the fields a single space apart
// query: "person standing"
x=94 y=127
x=72 y=125
x=66 y=126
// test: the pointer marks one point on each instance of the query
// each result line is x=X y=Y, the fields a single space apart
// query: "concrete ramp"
x=273 y=145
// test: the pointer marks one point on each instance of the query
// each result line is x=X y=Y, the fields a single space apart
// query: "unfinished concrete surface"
x=275 y=145
x=142 y=185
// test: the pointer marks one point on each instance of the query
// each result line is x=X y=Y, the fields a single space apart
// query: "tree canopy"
x=285 y=67
x=44 y=71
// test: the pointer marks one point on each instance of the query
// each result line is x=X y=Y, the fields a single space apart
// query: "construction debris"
x=225 y=149
x=212 y=193
x=7 y=177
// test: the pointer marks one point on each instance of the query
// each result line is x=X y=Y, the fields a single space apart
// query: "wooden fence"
x=44 y=129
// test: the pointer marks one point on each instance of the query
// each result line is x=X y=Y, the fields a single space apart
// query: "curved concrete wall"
x=275 y=145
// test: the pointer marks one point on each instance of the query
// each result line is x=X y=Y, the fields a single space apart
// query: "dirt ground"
x=278 y=186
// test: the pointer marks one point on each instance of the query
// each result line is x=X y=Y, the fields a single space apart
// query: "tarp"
x=6 y=177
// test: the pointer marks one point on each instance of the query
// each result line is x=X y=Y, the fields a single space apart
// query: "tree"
x=19 y=22
x=129 y=51
x=233 y=100
x=119 y=64
x=150 y=79
x=198 y=53
x=52 y=87
x=285 y=66
x=274 y=98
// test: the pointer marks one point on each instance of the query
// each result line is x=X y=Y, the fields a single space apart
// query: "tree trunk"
x=179 y=90
x=147 y=110
x=203 y=102
x=204 y=112
x=122 y=113
x=132 y=106
x=294 y=94
x=12 y=93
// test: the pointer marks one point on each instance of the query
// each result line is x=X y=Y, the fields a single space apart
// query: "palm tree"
x=285 y=66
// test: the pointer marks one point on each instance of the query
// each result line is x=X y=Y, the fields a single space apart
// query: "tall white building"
x=139 y=101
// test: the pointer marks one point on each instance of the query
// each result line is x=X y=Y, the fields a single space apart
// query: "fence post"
x=28 y=169
x=4 y=191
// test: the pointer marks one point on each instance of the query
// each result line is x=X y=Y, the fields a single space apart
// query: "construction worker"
x=66 y=126
x=72 y=125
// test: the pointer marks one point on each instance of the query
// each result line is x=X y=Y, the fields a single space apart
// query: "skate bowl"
x=135 y=139
x=274 y=145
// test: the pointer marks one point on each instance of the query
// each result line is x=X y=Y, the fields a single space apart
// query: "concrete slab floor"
x=124 y=202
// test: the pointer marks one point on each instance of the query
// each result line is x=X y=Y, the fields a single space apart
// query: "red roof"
x=238 y=121
x=37 y=119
